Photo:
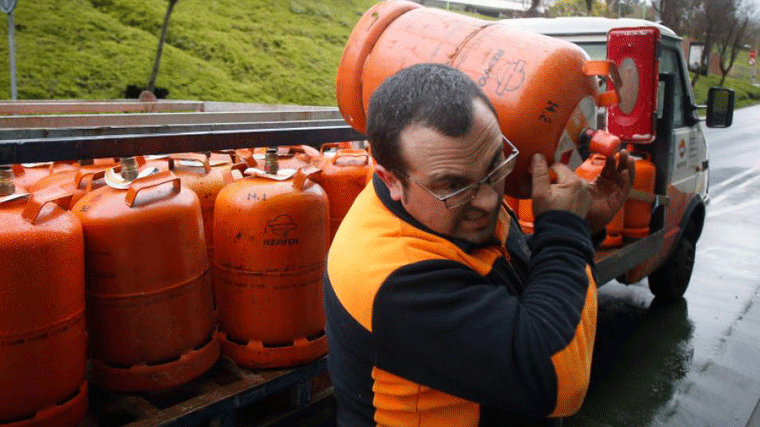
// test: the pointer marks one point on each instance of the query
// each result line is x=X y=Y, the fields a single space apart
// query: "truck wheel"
x=669 y=282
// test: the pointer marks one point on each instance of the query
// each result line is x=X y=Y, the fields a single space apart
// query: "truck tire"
x=669 y=282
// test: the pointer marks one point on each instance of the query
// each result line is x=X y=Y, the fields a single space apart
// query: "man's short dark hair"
x=432 y=95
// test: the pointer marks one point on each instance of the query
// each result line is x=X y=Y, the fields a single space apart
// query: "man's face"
x=444 y=164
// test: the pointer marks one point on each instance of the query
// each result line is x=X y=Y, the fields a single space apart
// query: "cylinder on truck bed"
x=43 y=343
x=343 y=176
x=270 y=236
x=150 y=312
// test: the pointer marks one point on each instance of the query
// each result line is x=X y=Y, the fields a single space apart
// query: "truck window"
x=597 y=51
x=670 y=63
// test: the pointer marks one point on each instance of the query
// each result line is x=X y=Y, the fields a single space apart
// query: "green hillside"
x=217 y=50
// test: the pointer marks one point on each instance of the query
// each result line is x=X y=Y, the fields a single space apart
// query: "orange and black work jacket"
x=427 y=330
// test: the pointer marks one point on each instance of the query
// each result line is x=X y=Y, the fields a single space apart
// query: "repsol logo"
x=278 y=242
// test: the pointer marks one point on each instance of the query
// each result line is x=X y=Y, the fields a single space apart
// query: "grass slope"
x=216 y=50
x=224 y=50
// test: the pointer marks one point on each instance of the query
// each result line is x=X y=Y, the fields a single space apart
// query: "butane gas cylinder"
x=589 y=170
x=542 y=88
x=343 y=176
x=43 y=343
x=87 y=177
x=150 y=315
x=27 y=174
x=638 y=213
x=206 y=174
x=270 y=235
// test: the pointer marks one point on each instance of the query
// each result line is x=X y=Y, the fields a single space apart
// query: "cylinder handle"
x=336 y=145
x=302 y=174
x=240 y=167
x=191 y=157
x=92 y=174
x=350 y=152
x=39 y=199
x=608 y=69
x=152 y=181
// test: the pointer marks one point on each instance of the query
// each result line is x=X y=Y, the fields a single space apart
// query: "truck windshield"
x=597 y=51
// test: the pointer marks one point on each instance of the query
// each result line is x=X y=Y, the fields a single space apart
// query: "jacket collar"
x=382 y=192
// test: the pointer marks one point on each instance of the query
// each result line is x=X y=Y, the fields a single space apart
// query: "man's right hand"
x=569 y=193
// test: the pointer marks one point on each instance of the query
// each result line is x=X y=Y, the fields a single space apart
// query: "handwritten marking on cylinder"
x=510 y=77
x=549 y=110
x=256 y=196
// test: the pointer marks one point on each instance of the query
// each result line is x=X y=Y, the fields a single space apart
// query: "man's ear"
x=391 y=181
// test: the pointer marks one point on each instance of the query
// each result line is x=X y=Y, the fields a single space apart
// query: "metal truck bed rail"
x=29 y=146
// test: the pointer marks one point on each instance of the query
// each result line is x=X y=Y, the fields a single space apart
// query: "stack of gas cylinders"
x=175 y=259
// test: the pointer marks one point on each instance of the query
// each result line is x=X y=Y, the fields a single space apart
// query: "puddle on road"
x=642 y=350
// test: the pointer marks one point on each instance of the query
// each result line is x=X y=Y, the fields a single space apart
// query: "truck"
x=674 y=141
x=679 y=153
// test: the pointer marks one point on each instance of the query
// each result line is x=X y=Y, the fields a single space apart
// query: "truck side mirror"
x=720 y=107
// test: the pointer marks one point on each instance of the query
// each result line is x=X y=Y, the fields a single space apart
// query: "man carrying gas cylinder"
x=440 y=312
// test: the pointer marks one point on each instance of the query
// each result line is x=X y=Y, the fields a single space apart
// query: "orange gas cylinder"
x=150 y=314
x=206 y=175
x=542 y=88
x=638 y=213
x=43 y=343
x=270 y=235
x=28 y=174
x=343 y=176
x=589 y=170
x=78 y=182
x=525 y=215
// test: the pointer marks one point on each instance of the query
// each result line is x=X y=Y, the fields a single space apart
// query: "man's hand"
x=570 y=193
x=609 y=190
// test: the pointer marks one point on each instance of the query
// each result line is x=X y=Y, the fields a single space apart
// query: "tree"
x=724 y=24
x=676 y=14
x=533 y=10
x=732 y=38
x=160 y=48
x=574 y=8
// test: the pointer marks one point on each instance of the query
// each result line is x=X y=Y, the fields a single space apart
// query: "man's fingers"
x=540 y=172
x=564 y=173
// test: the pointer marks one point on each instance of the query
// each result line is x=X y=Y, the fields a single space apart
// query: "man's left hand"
x=609 y=190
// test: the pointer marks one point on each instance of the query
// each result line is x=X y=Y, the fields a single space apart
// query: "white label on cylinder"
x=584 y=116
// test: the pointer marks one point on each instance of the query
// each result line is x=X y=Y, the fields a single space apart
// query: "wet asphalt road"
x=696 y=362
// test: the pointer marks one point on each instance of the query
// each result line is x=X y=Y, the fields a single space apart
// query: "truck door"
x=689 y=148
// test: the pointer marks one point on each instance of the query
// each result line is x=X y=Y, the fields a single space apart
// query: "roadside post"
x=7 y=7
x=752 y=61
